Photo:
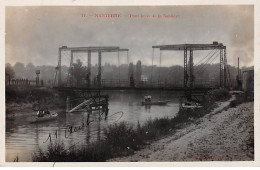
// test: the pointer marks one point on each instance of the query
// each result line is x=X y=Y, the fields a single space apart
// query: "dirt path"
x=225 y=135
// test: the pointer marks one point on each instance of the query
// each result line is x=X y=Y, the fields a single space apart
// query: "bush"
x=120 y=137
x=217 y=95
x=55 y=152
x=239 y=99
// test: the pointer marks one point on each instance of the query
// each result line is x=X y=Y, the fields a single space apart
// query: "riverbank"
x=123 y=139
x=20 y=100
x=222 y=135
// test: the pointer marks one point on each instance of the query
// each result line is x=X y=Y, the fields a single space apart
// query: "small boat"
x=154 y=103
x=148 y=101
x=190 y=105
x=46 y=117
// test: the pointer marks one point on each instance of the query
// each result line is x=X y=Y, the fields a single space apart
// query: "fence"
x=23 y=82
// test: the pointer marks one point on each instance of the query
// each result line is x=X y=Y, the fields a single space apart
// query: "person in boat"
x=47 y=112
x=149 y=99
x=40 y=113
x=145 y=99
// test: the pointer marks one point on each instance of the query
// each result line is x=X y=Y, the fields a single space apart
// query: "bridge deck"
x=137 y=88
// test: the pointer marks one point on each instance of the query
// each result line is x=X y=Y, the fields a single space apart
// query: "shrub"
x=120 y=136
x=239 y=99
x=218 y=95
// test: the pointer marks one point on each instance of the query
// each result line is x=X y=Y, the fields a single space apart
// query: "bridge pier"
x=70 y=77
x=185 y=69
x=191 y=78
x=225 y=68
x=220 y=68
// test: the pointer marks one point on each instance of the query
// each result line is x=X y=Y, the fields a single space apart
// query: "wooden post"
x=98 y=132
x=88 y=119
x=68 y=104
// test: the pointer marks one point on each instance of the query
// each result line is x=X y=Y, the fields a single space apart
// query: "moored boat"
x=154 y=103
x=46 y=117
x=148 y=101
x=190 y=105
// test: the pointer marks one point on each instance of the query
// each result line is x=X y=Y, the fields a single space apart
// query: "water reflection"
x=23 y=138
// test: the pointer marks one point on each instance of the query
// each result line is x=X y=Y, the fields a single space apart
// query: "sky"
x=34 y=34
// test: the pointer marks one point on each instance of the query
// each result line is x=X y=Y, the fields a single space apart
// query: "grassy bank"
x=22 y=98
x=123 y=139
x=238 y=100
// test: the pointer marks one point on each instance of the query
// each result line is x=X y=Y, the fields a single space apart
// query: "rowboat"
x=154 y=103
x=148 y=101
x=36 y=119
x=190 y=105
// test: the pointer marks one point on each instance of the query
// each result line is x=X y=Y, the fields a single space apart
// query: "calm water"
x=23 y=138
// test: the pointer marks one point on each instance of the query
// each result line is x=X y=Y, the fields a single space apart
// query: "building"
x=248 y=82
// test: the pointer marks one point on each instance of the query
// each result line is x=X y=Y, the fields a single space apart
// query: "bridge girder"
x=181 y=47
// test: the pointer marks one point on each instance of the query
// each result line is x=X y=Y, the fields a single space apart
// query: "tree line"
x=112 y=72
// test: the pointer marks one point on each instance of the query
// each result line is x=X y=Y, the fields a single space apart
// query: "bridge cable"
x=204 y=57
x=205 y=66
x=206 y=62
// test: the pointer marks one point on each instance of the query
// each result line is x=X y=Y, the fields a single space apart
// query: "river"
x=24 y=138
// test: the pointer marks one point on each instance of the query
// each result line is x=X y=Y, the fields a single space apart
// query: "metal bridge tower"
x=88 y=50
x=189 y=75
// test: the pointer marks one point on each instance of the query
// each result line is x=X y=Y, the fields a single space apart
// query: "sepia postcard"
x=130 y=84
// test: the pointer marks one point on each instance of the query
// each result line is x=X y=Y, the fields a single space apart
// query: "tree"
x=30 y=66
x=138 y=70
x=79 y=72
x=130 y=70
x=19 y=70
x=9 y=71
x=8 y=65
x=30 y=71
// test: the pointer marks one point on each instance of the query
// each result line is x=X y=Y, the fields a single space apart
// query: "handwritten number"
x=49 y=137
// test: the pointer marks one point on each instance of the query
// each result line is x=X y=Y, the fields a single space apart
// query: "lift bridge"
x=217 y=50
x=91 y=92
